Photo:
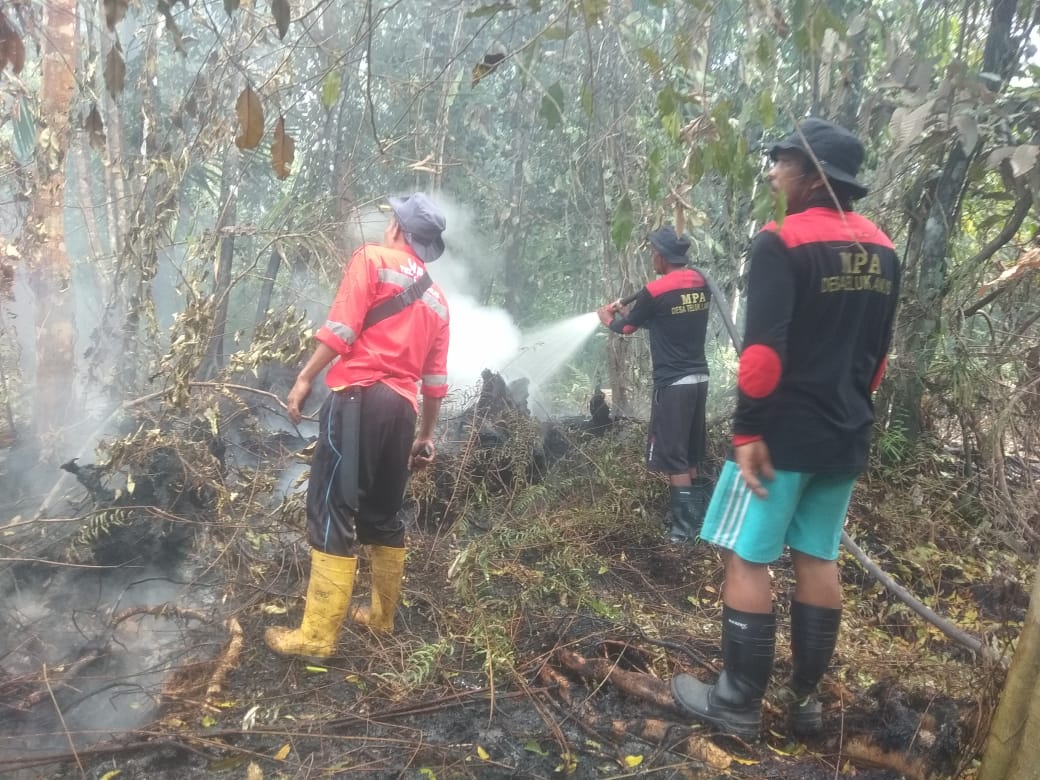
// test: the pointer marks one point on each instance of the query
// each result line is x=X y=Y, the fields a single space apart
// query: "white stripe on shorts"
x=735 y=512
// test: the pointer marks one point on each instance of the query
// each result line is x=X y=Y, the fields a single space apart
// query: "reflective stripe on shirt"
x=341 y=331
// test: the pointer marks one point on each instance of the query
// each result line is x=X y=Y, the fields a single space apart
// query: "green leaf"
x=653 y=174
x=552 y=105
x=667 y=100
x=672 y=124
x=765 y=52
x=330 y=87
x=226 y=764
x=586 y=99
x=652 y=59
x=556 y=33
x=490 y=10
x=766 y=109
x=695 y=166
x=622 y=223
x=531 y=746
x=602 y=608
x=593 y=10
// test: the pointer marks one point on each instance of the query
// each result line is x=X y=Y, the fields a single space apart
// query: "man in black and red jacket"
x=822 y=291
x=674 y=308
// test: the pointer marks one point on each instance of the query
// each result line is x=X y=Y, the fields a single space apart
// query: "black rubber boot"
x=814 y=634
x=682 y=513
x=734 y=702
x=702 y=488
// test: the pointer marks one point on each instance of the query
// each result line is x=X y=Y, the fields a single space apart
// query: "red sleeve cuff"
x=879 y=375
x=740 y=439
x=331 y=340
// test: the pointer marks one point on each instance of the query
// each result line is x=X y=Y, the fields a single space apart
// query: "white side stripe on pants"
x=736 y=510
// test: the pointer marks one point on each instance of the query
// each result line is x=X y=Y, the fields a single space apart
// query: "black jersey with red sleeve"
x=674 y=308
x=822 y=294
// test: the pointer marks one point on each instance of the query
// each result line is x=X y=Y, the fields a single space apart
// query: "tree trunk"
x=444 y=107
x=1013 y=744
x=929 y=245
x=50 y=273
x=274 y=263
x=513 y=274
x=222 y=281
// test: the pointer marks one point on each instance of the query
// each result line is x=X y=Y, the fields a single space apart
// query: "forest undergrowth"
x=543 y=613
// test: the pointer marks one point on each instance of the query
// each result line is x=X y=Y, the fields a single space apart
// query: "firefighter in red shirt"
x=387 y=332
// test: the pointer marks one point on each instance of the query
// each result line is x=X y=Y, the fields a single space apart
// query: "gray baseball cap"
x=422 y=222
x=673 y=247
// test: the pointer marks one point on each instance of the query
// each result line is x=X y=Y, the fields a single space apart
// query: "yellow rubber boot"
x=328 y=597
x=387 y=572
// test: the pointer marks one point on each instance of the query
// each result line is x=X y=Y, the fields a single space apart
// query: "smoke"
x=121 y=687
x=481 y=336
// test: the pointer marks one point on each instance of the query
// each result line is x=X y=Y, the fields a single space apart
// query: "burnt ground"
x=513 y=585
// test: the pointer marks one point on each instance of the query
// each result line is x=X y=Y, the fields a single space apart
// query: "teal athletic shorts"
x=806 y=512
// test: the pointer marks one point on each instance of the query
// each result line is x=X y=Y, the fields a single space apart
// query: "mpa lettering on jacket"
x=859 y=271
x=696 y=301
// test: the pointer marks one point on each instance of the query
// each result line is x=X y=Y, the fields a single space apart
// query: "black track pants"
x=385 y=432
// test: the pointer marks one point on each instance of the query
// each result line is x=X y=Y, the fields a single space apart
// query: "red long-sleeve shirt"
x=400 y=351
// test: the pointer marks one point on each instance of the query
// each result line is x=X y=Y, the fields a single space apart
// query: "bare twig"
x=67 y=673
x=65 y=728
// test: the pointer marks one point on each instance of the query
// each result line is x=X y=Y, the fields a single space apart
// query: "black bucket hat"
x=673 y=248
x=840 y=152
x=422 y=222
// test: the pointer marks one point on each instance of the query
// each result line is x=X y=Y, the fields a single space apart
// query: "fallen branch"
x=653 y=690
x=662 y=732
x=635 y=684
x=865 y=751
x=67 y=673
x=955 y=633
x=161 y=610
x=227 y=660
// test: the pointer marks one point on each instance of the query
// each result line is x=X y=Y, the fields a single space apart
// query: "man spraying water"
x=674 y=308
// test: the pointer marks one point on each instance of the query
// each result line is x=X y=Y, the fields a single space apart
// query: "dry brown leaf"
x=1028 y=261
x=282 y=150
x=280 y=11
x=254 y=772
x=115 y=10
x=251 y=118
x=283 y=752
x=115 y=70
x=12 y=50
x=1024 y=159
x=95 y=128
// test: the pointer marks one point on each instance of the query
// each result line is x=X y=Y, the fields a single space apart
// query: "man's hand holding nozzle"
x=608 y=311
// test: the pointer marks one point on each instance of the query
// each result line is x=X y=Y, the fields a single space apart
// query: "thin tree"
x=49 y=270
